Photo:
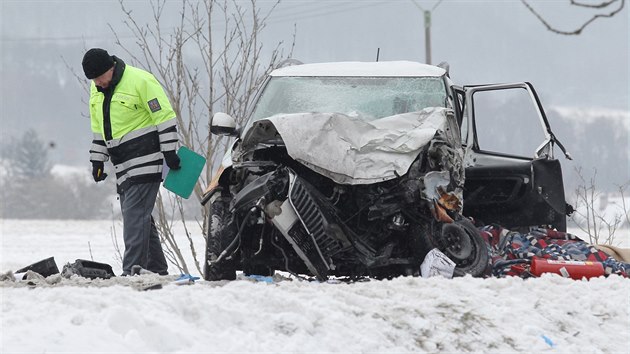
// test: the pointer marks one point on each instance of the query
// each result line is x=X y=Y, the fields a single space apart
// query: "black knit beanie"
x=96 y=62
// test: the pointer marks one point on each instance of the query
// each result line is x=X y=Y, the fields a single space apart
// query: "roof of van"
x=355 y=68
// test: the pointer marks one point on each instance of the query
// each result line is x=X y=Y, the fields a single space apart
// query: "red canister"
x=568 y=269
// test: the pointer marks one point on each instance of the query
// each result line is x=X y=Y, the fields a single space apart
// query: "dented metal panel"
x=349 y=150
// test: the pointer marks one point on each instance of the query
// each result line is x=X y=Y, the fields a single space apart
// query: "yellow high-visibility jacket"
x=133 y=123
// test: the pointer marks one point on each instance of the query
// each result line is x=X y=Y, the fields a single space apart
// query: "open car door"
x=512 y=177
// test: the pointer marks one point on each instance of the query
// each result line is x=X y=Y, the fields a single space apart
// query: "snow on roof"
x=355 y=68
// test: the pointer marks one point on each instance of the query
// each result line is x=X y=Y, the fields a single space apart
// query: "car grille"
x=313 y=217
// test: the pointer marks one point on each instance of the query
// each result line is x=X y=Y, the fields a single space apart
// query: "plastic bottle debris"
x=547 y=340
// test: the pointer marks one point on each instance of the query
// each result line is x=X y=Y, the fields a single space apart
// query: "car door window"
x=506 y=122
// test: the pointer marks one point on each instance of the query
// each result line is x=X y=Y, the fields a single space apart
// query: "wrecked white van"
x=356 y=169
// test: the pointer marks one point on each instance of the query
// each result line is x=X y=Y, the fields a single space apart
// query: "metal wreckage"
x=360 y=169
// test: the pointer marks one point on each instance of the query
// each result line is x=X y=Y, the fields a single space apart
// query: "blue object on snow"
x=185 y=279
x=266 y=279
x=547 y=340
x=187 y=276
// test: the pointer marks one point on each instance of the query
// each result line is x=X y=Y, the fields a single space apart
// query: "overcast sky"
x=484 y=42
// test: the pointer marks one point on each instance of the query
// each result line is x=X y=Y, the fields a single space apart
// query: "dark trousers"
x=142 y=242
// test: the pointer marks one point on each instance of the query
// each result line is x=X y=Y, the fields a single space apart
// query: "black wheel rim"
x=457 y=242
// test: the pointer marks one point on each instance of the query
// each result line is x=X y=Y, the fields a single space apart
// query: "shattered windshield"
x=369 y=98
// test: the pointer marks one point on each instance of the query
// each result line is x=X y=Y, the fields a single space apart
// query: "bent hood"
x=349 y=150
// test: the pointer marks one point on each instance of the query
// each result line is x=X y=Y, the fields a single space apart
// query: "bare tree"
x=590 y=215
x=594 y=7
x=211 y=60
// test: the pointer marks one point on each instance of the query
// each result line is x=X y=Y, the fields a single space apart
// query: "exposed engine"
x=272 y=212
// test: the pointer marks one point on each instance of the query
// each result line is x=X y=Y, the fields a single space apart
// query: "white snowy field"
x=550 y=314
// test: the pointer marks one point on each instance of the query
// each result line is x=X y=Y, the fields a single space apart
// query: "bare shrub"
x=594 y=216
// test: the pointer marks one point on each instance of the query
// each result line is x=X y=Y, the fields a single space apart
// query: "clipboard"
x=183 y=181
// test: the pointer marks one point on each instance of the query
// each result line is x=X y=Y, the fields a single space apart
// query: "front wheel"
x=220 y=232
x=463 y=244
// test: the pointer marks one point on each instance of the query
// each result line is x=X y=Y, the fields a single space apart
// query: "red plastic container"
x=568 y=269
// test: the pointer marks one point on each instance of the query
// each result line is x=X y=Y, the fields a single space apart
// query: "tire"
x=474 y=260
x=220 y=233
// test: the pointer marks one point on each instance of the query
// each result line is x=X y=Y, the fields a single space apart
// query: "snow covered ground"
x=550 y=314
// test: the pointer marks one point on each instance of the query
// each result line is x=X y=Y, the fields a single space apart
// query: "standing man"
x=133 y=124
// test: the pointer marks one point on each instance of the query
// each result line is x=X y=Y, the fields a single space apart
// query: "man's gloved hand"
x=98 y=171
x=172 y=160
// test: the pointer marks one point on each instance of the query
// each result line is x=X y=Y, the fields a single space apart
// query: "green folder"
x=182 y=181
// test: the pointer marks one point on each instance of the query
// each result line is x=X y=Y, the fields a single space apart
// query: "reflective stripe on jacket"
x=132 y=124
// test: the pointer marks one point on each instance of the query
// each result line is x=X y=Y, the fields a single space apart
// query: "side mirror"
x=222 y=124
